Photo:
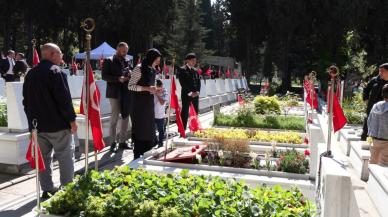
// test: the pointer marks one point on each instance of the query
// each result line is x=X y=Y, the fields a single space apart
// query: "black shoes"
x=112 y=147
x=47 y=194
x=123 y=145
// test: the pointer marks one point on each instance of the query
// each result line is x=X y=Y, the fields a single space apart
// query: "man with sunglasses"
x=47 y=99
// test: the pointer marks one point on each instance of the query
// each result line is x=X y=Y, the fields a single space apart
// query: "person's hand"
x=74 y=127
x=123 y=79
x=194 y=94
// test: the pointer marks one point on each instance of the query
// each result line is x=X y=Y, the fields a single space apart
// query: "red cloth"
x=31 y=157
x=74 y=66
x=175 y=105
x=35 y=58
x=199 y=71
x=94 y=111
x=194 y=124
x=227 y=74
x=308 y=99
x=101 y=62
x=165 y=69
x=306 y=85
x=235 y=74
x=339 y=119
x=219 y=72
x=209 y=71
x=240 y=100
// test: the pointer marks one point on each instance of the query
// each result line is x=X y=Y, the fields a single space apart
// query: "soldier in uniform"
x=46 y=98
x=191 y=85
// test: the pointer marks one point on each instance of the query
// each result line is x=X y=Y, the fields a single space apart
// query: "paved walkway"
x=18 y=193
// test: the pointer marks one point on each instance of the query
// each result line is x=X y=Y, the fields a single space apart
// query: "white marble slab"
x=228 y=85
x=3 y=92
x=105 y=107
x=359 y=159
x=378 y=188
x=17 y=120
x=234 y=85
x=202 y=92
x=211 y=89
x=220 y=84
x=75 y=86
x=13 y=148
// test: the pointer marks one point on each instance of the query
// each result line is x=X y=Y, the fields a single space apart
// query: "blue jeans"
x=160 y=127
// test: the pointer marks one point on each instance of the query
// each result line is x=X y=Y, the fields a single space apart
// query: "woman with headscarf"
x=142 y=87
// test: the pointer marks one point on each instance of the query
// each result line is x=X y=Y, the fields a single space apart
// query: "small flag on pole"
x=194 y=124
x=339 y=119
x=35 y=58
x=30 y=155
x=94 y=111
x=174 y=103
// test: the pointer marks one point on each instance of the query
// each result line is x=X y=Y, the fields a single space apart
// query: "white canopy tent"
x=104 y=51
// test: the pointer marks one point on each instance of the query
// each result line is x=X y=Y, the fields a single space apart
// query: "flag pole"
x=33 y=42
x=171 y=76
x=34 y=135
x=331 y=100
x=88 y=25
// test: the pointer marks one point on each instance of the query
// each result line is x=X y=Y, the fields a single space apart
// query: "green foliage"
x=128 y=192
x=3 y=114
x=354 y=109
x=266 y=105
x=258 y=121
x=292 y=161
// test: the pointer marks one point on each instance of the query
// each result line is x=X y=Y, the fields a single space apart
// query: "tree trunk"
x=286 y=74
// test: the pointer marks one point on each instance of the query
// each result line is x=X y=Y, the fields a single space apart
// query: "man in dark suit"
x=6 y=66
x=191 y=85
x=116 y=72
x=20 y=67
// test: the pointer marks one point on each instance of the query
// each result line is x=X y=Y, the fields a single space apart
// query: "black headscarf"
x=151 y=56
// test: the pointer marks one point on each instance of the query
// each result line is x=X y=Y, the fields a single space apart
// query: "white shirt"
x=11 y=65
x=160 y=108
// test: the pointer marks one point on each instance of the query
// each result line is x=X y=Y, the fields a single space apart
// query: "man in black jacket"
x=21 y=66
x=191 y=85
x=47 y=99
x=6 y=66
x=116 y=72
x=373 y=93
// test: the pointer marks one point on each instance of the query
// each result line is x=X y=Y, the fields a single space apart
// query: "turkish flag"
x=35 y=58
x=194 y=124
x=30 y=156
x=199 y=71
x=227 y=74
x=308 y=99
x=94 y=110
x=101 y=62
x=306 y=85
x=175 y=105
x=339 y=119
x=209 y=71
x=165 y=69
x=235 y=74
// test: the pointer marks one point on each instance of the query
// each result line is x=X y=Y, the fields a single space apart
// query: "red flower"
x=197 y=146
x=306 y=140
x=193 y=150
x=306 y=152
x=203 y=154
x=310 y=120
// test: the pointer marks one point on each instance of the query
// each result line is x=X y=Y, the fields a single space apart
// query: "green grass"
x=264 y=122
x=3 y=114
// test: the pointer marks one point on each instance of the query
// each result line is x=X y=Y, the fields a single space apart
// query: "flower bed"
x=259 y=121
x=128 y=192
x=252 y=135
x=76 y=105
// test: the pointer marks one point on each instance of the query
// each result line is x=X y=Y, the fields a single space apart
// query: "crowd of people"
x=13 y=66
x=136 y=97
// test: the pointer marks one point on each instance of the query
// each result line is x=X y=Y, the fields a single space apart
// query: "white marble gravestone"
x=105 y=107
x=211 y=89
x=17 y=120
x=378 y=187
x=167 y=85
x=75 y=86
x=220 y=86
x=228 y=85
x=234 y=85
x=202 y=92
x=3 y=92
x=239 y=83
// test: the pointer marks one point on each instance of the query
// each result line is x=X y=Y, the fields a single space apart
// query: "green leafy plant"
x=266 y=105
x=3 y=114
x=129 y=192
x=292 y=161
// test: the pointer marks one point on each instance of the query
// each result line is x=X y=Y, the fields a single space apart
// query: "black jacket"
x=111 y=72
x=373 y=92
x=20 y=68
x=4 y=65
x=46 y=98
x=189 y=80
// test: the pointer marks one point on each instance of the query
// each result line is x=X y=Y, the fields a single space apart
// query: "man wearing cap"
x=373 y=93
x=191 y=85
